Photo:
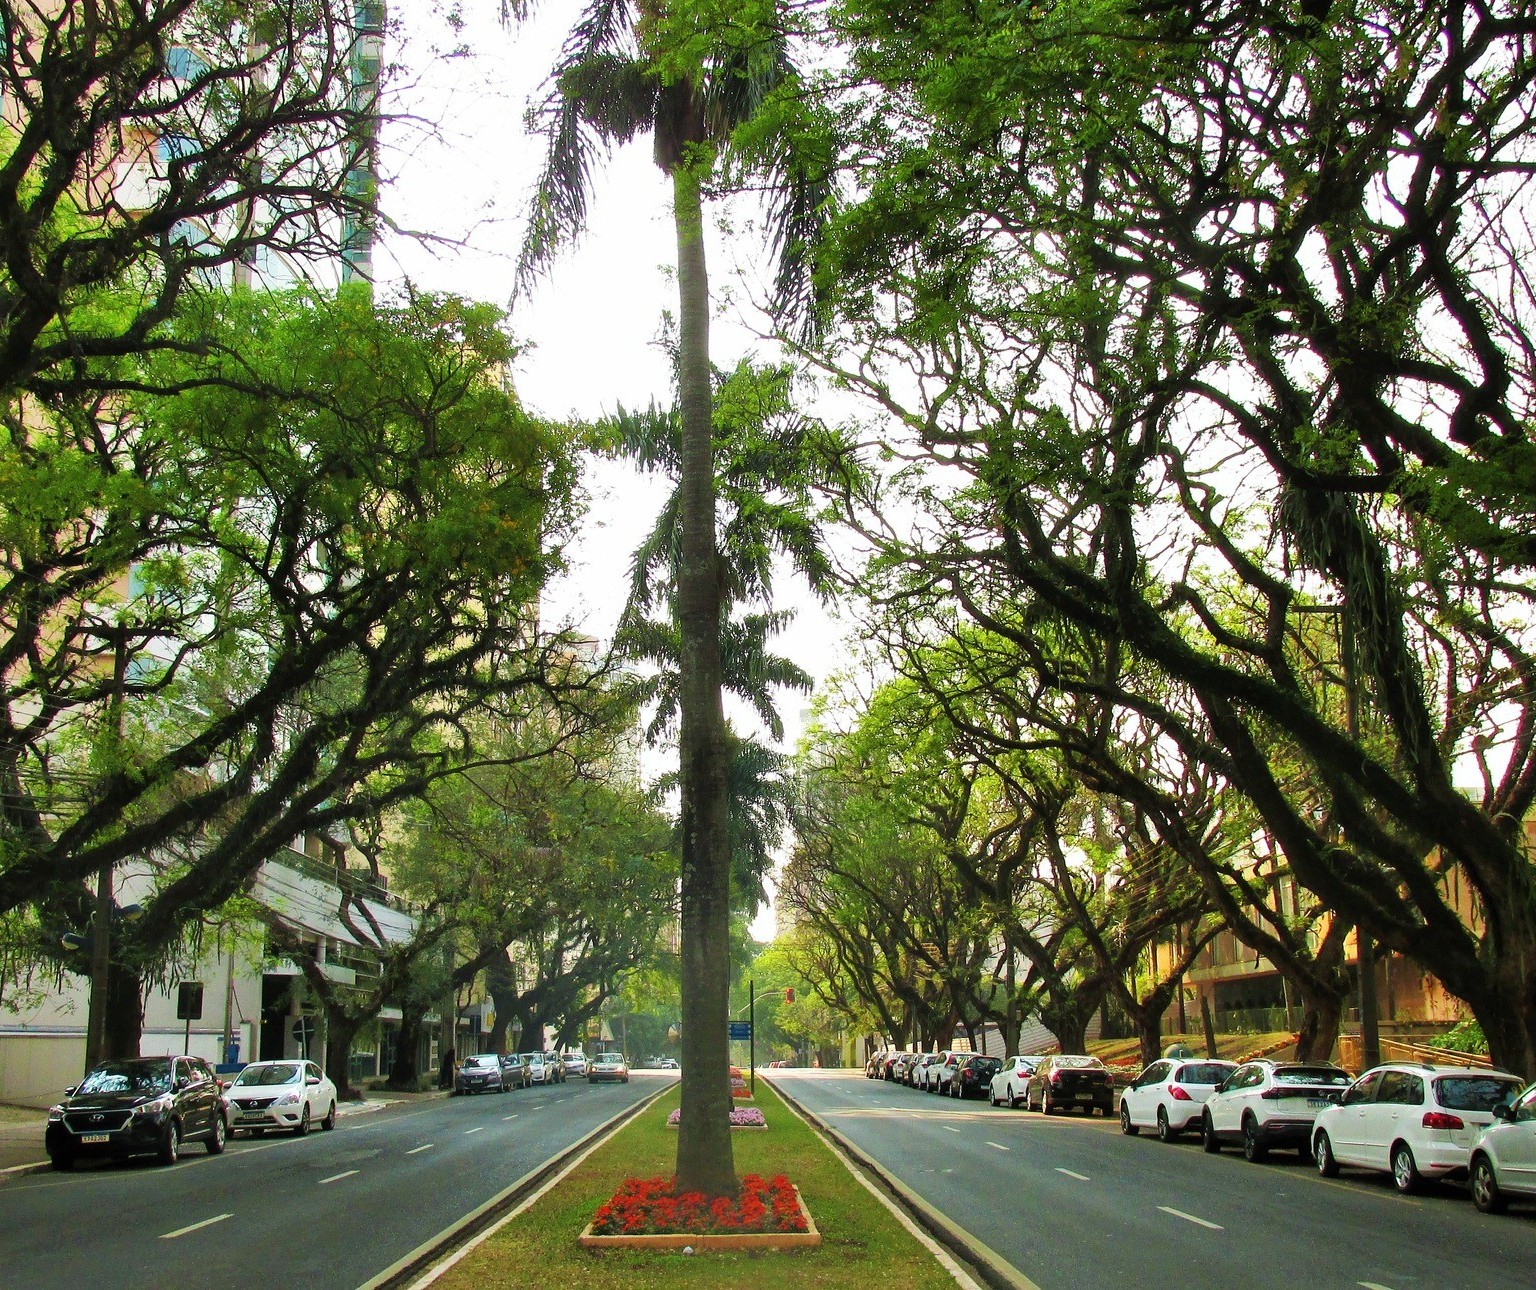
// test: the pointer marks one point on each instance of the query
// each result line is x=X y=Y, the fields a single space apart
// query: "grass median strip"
x=863 y=1243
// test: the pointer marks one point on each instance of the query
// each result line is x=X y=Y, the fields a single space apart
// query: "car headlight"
x=55 y=1113
x=289 y=1099
x=154 y=1109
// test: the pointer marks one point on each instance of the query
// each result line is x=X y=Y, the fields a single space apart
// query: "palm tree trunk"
x=704 y=1159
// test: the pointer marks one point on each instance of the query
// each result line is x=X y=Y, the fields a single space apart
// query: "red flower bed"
x=647 y=1207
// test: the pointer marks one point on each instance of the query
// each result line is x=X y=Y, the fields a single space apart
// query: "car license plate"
x=253 y=1115
x=1084 y=1097
x=1318 y=1102
x=95 y=1137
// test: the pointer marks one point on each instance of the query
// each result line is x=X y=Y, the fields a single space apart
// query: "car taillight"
x=1177 y=1093
x=1442 y=1120
x=1055 y=1077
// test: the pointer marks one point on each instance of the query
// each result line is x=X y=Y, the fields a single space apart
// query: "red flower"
x=649 y=1205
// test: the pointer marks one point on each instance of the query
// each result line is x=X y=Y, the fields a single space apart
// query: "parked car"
x=480 y=1073
x=1265 y=1104
x=554 y=1068
x=608 y=1066
x=289 y=1095
x=1414 y=1120
x=1011 y=1078
x=514 y=1070
x=1067 y=1080
x=973 y=1076
x=538 y=1069
x=874 y=1068
x=574 y=1064
x=916 y=1071
x=901 y=1067
x=941 y=1070
x=1503 y=1162
x=1170 y=1095
x=892 y=1060
x=138 y=1106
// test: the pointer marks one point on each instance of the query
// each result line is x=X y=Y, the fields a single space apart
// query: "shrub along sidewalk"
x=863 y=1244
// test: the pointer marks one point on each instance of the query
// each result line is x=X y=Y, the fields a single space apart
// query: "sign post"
x=189 y=1007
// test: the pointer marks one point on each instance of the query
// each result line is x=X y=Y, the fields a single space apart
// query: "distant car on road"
x=575 y=1064
x=480 y=1073
x=1012 y=1078
x=138 y=1106
x=667 y=1063
x=287 y=1095
x=1067 y=1081
x=540 y=1071
x=608 y=1067
x=1170 y=1095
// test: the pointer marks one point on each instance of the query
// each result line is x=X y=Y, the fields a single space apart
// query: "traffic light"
x=789 y=994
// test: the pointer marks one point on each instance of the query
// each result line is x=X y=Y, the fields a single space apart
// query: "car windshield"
x=607 y=1059
x=1312 y=1075
x=482 y=1059
x=1474 y=1092
x=128 y=1077
x=1204 y=1073
x=1078 y=1063
x=262 y=1076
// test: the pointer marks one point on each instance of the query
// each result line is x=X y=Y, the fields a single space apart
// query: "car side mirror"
x=1503 y=1111
x=313 y=1079
x=70 y=1089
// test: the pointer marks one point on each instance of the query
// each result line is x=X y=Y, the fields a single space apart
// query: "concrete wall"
x=36 y=1069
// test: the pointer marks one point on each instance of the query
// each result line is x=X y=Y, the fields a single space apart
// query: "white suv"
x=1413 y=1120
x=1264 y=1104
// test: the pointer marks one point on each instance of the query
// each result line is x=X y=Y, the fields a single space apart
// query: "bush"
x=1464 y=1037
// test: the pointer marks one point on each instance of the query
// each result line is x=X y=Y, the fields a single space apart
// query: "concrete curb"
x=989 y=1266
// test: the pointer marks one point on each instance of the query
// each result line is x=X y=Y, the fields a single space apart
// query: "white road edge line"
x=998 y=1146
x=182 y=1231
x=414 y=1150
x=1190 y=1218
x=338 y=1177
x=1070 y=1174
x=477 y=1129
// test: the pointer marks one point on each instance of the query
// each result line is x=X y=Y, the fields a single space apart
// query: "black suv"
x=139 y=1106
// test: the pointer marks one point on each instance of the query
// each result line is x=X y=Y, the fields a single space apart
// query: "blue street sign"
x=740 y=1029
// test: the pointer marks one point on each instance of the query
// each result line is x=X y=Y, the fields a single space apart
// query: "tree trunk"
x=125 y=1013
x=704 y=1159
x=339 y=1033
x=1321 y=1013
x=405 y=1070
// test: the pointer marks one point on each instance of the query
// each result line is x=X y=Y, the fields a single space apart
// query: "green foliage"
x=1464 y=1037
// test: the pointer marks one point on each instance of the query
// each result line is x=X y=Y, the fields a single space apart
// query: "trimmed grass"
x=862 y=1242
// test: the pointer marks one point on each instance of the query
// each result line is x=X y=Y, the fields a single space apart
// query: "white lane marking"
x=337 y=1177
x=1190 y=1218
x=182 y=1231
x=950 y=1127
x=414 y=1150
x=998 y=1146
x=480 y=1129
x=1079 y=1177
x=513 y=1116
x=1372 y=1285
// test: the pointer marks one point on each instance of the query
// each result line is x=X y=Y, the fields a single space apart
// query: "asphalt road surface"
x=1070 y=1202
x=329 y=1210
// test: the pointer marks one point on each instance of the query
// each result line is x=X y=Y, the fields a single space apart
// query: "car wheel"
x=1254 y=1149
x=1165 y=1131
x=1323 y=1157
x=302 y=1127
x=1405 y=1173
x=1013 y=1100
x=329 y=1122
x=1485 y=1187
x=1208 y=1139
x=1045 y=1102
x=170 y=1144
x=215 y=1142
x=1126 y=1127
x=63 y=1161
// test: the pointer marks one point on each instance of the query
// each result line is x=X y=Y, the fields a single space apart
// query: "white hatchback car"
x=1170 y=1095
x=288 y=1095
x=1413 y=1120
x=1504 y=1157
x=1008 y=1084
x=1265 y=1104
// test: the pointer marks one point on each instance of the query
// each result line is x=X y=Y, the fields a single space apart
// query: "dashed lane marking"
x=427 y=1147
x=513 y=1116
x=338 y=1177
x=1070 y=1174
x=182 y=1231
x=1190 y=1218
x=998 y=1146
x=477 y=1129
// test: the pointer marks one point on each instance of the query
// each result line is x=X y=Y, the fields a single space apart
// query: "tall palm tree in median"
x=629 y=67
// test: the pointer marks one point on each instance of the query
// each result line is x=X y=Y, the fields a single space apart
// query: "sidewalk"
x=22 y=1129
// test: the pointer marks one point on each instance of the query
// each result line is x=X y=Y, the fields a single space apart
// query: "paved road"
x=327 y=1210
x=1071 y=1202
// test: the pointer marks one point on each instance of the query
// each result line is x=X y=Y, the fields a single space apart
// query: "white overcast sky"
x=458 y=164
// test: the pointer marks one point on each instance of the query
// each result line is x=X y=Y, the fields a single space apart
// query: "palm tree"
x=628 y=67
